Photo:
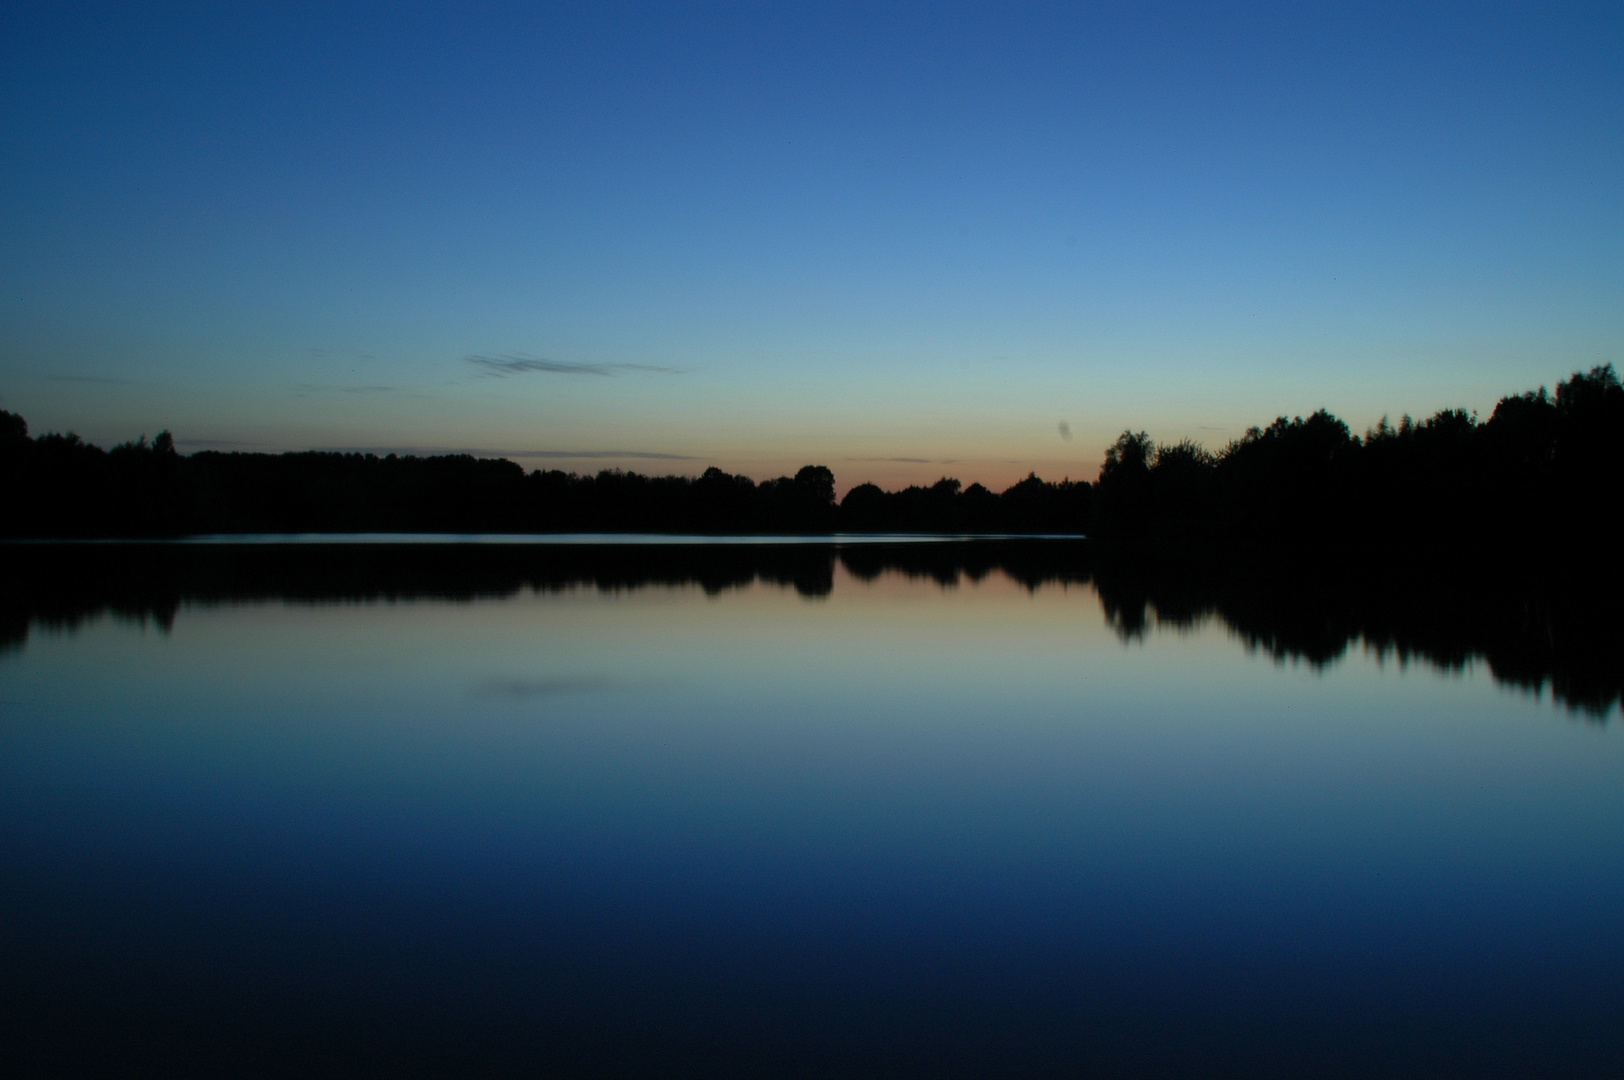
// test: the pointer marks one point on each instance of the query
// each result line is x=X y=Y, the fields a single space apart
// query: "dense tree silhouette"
x=59 y=486
x=1544 y=469
x=1123 y=499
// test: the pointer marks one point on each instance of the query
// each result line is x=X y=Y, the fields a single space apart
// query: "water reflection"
x=804 y=811
x=1534 y=631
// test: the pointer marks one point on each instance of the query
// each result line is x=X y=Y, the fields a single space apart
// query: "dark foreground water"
x=810 y=812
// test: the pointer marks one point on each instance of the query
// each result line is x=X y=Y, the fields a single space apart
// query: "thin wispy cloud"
x=312 y=388
x=210 y=444
x=307 y=390
x=101 y=380
x=534 y=688
x=642 y=455
x=501 y=367
x=511 y=454
x=908 y=460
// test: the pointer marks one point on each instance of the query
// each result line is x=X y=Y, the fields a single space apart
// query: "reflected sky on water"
x=899 y=826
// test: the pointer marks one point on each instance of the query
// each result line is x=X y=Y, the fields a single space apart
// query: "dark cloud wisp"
x=501 y=367
x=510 y=454
x=98 y=379
x=564 y=455
x=532 y=688
x=306 y=389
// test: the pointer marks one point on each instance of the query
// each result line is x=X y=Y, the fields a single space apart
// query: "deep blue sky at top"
x=901 y=240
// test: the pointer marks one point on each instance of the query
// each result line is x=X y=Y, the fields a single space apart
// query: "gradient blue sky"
x=899 y=240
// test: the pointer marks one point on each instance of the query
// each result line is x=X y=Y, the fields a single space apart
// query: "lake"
x=794 y=809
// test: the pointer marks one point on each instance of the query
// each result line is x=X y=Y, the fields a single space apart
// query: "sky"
x=904 y=241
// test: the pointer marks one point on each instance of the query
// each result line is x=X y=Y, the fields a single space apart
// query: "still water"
x=896 y=824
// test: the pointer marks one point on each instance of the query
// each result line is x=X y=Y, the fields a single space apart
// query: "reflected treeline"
x=1555 y=628
x=60 y=585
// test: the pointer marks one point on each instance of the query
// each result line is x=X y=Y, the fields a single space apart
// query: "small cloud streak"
x=908 y=460
x=100 y=380
x=535 y=688
x=501 y=367
x=306 y=389
x=564 y=455
x=491 y=452
x=210 y=444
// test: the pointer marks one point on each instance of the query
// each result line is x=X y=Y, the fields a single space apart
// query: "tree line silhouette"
x=59 y=486
x=1543 y=466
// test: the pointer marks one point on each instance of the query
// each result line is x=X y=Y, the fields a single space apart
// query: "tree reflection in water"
x=1548 y=627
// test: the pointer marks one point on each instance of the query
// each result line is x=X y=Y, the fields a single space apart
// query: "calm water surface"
x=899 y=828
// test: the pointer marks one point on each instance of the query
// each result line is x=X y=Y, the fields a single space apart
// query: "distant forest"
x=1543 y=468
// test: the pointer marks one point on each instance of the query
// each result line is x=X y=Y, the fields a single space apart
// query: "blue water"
x=900 y=829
